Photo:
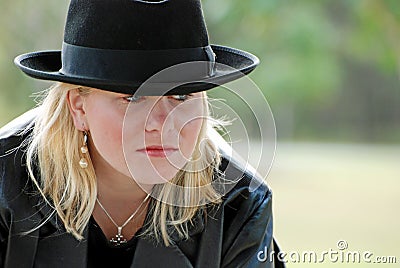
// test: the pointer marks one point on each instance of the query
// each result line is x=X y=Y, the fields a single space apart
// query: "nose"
x=160 y=117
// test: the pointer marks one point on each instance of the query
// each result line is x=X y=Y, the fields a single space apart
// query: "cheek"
x=190 y=117
x=133 y=130
x=106 y=133
x=188 y=137
x=106 y=124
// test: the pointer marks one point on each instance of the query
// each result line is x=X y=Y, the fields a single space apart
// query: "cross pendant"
x=119 y=238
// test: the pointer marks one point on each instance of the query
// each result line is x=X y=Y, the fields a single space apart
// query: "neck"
x=114 y=185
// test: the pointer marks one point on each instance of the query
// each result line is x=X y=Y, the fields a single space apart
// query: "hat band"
x=132 y=65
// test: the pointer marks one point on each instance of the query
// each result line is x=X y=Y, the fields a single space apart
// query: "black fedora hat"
x=117 y=45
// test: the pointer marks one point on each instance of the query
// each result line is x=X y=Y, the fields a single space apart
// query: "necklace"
x=119 y=238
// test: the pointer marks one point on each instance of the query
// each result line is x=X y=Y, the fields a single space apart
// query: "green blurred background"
x=330 y=72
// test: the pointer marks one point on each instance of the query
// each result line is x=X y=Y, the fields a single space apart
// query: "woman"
x=116 y=167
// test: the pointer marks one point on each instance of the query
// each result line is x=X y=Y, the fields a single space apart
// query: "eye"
x=180 y=97
x=134 y=99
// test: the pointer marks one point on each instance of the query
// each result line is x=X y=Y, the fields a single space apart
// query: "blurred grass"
x=327 y=192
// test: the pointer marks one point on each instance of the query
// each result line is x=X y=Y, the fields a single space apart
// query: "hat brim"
x=231 y=64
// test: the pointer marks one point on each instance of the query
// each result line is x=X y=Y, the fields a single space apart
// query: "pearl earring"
x=84 y=150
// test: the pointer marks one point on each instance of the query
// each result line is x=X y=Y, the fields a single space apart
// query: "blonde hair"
x=72 y=191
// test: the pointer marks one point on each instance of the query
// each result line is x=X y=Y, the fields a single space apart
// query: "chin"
x=153 y=175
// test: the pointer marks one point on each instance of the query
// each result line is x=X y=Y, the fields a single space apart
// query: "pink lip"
x=158 y=151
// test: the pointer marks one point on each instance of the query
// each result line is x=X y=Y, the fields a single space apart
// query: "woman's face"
x=147 y=138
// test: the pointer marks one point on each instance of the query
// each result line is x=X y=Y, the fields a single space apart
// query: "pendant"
x=118 y=239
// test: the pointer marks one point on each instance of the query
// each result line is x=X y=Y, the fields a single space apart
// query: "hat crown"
x=117 y=45
x=136 y=24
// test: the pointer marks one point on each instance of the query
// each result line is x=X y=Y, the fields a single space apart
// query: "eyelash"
x=180 y=97
x=135 y=99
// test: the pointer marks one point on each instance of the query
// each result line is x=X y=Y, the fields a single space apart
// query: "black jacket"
x=235 y=234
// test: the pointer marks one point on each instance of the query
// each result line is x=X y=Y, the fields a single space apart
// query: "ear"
x=75 y=102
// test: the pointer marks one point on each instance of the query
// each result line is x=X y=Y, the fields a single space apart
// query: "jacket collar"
x=146 y=252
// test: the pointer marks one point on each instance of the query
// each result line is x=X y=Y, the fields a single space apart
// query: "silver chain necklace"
x=119 y=238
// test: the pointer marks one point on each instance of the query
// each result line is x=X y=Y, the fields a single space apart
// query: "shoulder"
x=247 y=217
x=246 y=189
x=13 y=137
x=18 y=125
x=245 y=193
x=242 y=224
x=239 y=181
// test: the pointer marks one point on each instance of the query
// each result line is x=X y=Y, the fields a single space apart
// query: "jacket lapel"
x=57 y=248
x=149 y=253
x=62 y=250
x=18 y=244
